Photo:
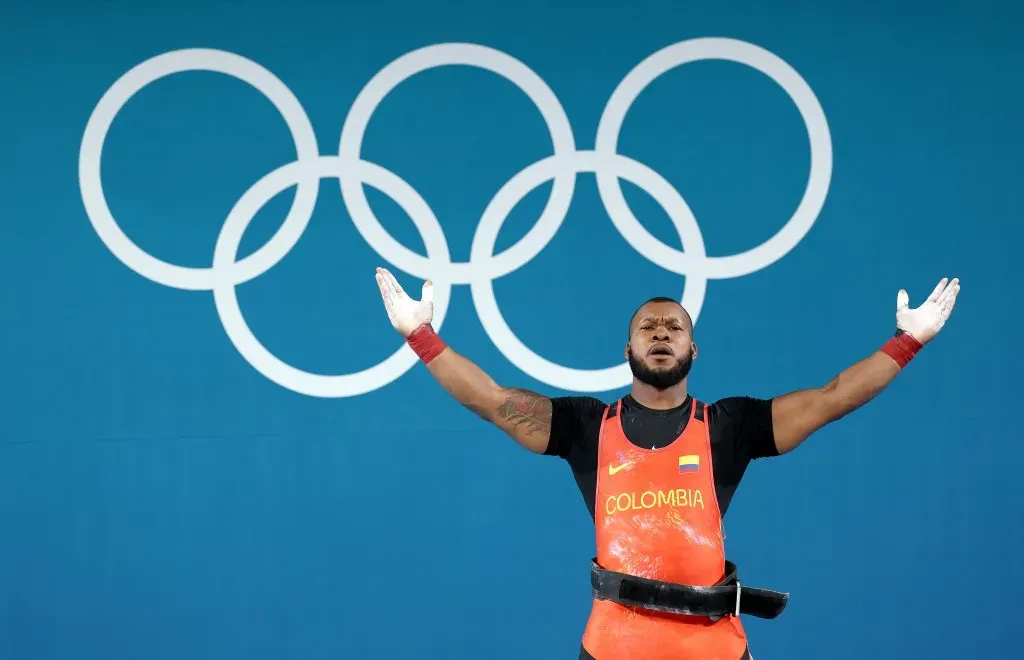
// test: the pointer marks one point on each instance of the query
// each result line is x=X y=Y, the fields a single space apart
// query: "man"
x=658 y=468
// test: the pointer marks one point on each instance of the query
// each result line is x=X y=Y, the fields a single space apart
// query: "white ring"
x=423 y=59
x=547 y=372
x=226 y=299
x=91 y=184
x=818 y=180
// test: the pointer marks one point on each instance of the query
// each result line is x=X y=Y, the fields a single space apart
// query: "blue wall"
x=161 y=497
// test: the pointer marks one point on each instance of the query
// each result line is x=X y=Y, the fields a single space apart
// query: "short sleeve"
x=571 y=420
x=745 y=424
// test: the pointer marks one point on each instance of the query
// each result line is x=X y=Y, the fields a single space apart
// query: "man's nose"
x=661 y=334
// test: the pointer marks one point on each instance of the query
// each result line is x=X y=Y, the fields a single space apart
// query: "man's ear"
x=625 y=353
x=693 y=349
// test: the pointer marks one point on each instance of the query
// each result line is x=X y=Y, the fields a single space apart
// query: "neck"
x=650 y=397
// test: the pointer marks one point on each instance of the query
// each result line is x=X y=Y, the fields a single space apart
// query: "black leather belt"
x=726 y=598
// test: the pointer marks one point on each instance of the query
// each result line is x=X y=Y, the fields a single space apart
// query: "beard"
x=661 y=379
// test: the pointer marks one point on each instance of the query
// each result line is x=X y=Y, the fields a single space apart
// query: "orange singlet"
x=656 y=516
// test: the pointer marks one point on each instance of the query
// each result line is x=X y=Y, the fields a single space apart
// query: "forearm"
x=857 y=385
x=797 y=415
x=466 y=383
x=523 y=415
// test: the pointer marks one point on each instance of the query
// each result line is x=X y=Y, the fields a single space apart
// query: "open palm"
x=924 y=322
x=405 y=313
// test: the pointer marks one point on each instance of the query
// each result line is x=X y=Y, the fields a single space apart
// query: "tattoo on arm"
x=526 y=412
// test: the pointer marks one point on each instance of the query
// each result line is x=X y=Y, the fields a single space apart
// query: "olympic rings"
x=561 y=167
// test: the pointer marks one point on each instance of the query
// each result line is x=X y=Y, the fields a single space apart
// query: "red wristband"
x=425 y=343
x=902 y=348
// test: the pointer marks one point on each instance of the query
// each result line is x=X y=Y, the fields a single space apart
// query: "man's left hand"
x=924 y=322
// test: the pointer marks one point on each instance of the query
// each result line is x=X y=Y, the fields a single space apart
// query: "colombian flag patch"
x=688 y=464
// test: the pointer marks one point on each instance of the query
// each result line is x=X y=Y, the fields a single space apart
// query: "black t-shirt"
x=740 y=430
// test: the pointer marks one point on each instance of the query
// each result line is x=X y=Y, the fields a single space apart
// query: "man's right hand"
x=405 y=313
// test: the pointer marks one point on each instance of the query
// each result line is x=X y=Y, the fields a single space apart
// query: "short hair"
x=658 y=299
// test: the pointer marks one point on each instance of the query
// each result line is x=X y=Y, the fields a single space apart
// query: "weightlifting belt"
x=726 y=598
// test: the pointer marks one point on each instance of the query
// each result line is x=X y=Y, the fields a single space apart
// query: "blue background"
x=161 y=499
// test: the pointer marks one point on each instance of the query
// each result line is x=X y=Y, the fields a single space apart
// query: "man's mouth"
x=660 y=350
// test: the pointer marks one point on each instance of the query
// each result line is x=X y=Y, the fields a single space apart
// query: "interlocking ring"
x=483 y=267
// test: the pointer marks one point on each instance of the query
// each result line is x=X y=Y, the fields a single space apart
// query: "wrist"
x=902 y=348
x=425 y=343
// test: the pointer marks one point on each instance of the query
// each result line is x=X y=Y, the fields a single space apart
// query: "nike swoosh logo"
x=612 y=469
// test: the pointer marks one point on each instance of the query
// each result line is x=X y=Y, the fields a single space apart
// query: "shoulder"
x=575 y=421
x=739 y=407
x=744 y=422
x=581 y=408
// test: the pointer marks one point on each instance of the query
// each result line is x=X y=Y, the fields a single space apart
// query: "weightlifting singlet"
x=657 y=516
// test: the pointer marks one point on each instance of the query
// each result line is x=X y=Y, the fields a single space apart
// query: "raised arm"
x=525 y=416
x=797 y=415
